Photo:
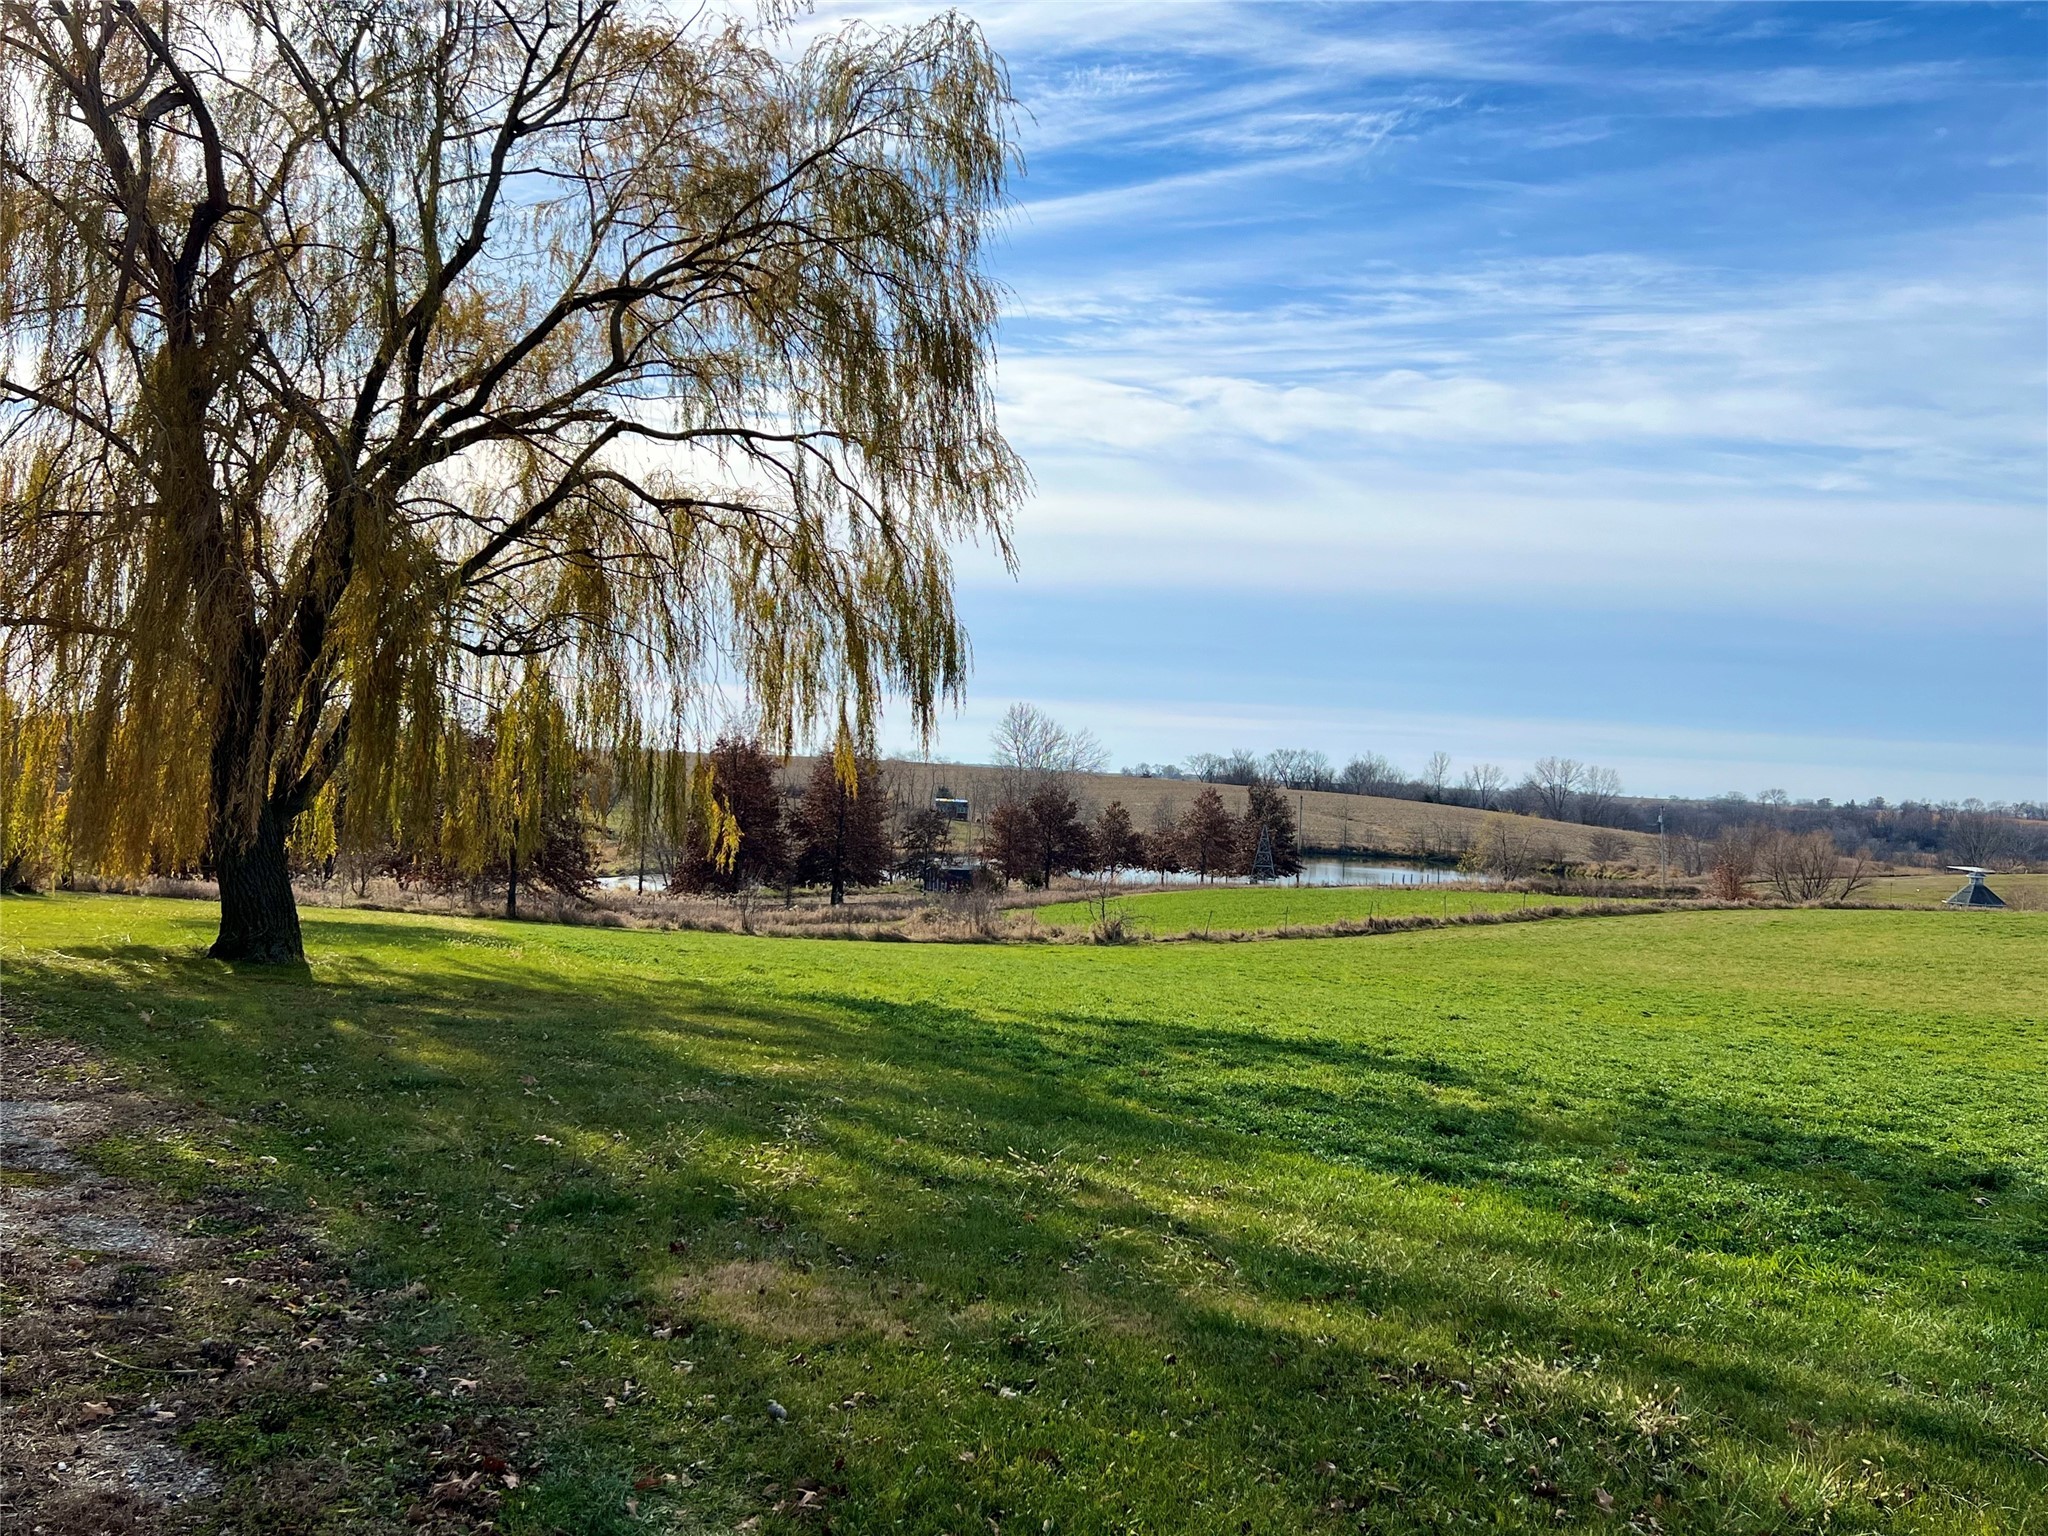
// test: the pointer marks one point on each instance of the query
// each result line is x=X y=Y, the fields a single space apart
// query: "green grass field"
x=1716 y=1221
x=1263 y=908
x=2028 y=892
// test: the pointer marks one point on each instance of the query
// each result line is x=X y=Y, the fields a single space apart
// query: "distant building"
x=949 y=879
x=950 y=808
x=1976 y=893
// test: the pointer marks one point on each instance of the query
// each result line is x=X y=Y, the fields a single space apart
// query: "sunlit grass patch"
x=1727 y=1220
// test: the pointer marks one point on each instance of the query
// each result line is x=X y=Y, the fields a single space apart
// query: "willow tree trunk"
x=259 y=920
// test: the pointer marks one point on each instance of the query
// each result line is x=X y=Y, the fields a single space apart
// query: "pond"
x=629 y=882
x=1336 y=871
x=1314 y=871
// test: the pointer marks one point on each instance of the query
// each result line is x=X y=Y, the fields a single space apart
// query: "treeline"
x=1038 y=828
x=1560 y=788
x=1035 y=835
x=758 y=835
x=1912 y=832
x=1566 y=789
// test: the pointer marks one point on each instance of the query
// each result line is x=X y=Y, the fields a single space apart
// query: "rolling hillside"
x=1330 y=822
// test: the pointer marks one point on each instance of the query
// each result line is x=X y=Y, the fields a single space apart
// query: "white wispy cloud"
x=1930 y=364
x=1590 y=423
x=1735 y=312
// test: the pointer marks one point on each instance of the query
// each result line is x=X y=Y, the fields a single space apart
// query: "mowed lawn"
x=1263 y=908
x=1716 y=1221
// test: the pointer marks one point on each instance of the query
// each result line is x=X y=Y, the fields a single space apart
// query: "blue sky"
x=1661 y=385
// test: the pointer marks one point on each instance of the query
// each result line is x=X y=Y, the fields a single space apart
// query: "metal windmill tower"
x=1263 y=867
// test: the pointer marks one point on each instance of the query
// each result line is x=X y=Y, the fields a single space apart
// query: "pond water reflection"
x=1314 y=871
x=1336 y=871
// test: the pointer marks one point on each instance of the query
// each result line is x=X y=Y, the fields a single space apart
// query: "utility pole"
x=1663 y=863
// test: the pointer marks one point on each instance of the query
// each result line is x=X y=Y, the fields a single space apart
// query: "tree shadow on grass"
x=1051 y=1286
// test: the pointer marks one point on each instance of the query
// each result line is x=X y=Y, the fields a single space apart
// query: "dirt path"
x=84 y=1264
x=129 y=1321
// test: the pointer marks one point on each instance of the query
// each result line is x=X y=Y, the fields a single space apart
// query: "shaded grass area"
x=1723 y=1221
x=1256 y=908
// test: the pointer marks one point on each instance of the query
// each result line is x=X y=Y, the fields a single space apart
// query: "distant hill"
x=1331 y=823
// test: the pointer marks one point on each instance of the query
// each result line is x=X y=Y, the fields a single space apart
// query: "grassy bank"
x=1719 y=1221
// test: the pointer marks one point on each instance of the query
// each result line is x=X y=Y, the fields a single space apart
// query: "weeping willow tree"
x=374 y=367
x=32 y=777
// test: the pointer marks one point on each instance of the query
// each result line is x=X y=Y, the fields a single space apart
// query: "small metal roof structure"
x=1976 y=893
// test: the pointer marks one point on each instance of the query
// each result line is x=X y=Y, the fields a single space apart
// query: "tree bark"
x=839 y=853
x=259 y=920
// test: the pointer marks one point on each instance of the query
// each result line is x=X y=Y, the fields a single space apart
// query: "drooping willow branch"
x=370 y=371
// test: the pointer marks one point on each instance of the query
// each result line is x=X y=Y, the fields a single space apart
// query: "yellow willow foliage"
x=314 y=839
x=661 y=793
x=532 y=769
x=32 y=750
x=721 y=826
x=408 y=399
x=501 y=786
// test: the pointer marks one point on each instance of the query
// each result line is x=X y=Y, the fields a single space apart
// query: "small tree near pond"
x=1118 y=844
x=1042 y=835
x=1209 y=837
x=842 y=830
